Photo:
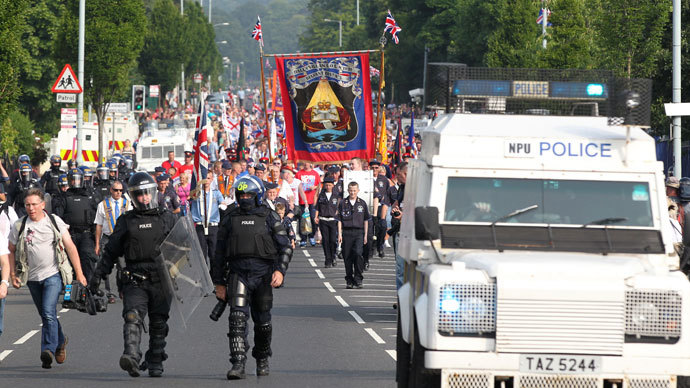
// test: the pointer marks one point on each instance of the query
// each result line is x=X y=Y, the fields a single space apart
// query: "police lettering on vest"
x=250 y=237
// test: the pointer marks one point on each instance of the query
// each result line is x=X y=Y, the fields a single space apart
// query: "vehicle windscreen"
x=559 y=202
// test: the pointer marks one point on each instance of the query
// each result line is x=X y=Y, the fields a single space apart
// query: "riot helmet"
x=684 y=189
x=55 y=162
x=88 y=176
x=252 y=185
x=24 y=158
x=112 y=169
x=25 y=173
x=117 y=158
x=71 y=164
x=143 y=191
x=128 y=162
x=75 y=178
x=102 y=172
x=62 y=180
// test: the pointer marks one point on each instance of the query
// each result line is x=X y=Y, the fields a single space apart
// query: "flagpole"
x=263 y=92
x=378 y=103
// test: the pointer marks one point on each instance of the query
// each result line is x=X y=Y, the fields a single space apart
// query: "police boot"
x=158 y=330
x=132 y=335
x=238 y=352
x=262 y=347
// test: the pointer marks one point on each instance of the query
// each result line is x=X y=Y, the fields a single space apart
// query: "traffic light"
x=138 y=98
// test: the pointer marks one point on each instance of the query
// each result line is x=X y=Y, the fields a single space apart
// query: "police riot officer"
x=88 y=181
x=20 y=186
x=324 y=217
x=256 y=252
x=101 y=184
x=16 y=173
x=78 y=209
x=138 y=235
x=50 y=178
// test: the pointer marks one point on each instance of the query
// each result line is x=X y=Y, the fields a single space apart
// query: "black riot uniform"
x=381 y=185
x=78 y=209
x=101 y=184
x=138 y=235
x=254 y=245
x=353 y=218
x=326 y=209
x=20 y=185
x=49 y=179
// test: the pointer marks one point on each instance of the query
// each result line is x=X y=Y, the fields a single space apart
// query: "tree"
x=40 y=70
x=114 y=40
x=200 y=43
x=164 y=47
x=570 y=41
x=18 y=134
x=515 y=42
x=629 y=35
x=12 y=54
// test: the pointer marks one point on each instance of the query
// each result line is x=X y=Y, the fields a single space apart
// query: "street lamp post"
x=340 y=30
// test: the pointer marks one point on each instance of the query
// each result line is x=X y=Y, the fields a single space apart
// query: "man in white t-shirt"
x=43 y=279
x=7 y=214
x=291 y=188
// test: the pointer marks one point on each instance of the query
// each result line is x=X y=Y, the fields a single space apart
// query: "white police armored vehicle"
x=537 y=247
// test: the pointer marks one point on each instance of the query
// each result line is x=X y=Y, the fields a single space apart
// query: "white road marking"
x=63 y=311
x=393 y=354
x=26 y=337
x=356 y=317
x=389 y=328
x=312 y=262
x=306 y=253
x=375 y=336
x=342 y=301
x=4 y=354
x=330 y=288
x=319 y=273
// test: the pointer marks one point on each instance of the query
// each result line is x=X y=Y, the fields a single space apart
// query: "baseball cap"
x=227 y=165
x=328 y=179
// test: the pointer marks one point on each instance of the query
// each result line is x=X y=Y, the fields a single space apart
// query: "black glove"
x=95 y=283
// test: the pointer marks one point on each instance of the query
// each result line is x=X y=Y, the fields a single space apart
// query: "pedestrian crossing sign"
x=67 y=82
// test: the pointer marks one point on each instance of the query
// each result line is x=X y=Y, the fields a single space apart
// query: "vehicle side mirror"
x=426 y=225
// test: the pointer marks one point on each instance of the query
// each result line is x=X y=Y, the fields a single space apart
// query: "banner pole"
x=378 y=106
x=263 y=92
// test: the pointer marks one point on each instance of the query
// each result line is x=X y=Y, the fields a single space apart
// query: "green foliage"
x=12 y=55
x=515 y=42
x=41 y=69
x=164 y=50
x=17 y=135
x=628 y=33
x=570 y=42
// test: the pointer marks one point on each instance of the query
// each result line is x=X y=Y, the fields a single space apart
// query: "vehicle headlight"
x=467 y=309
x=652 y=315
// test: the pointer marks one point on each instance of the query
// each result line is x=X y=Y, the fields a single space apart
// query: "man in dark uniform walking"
x=138 y=235
x=353 y=216
x=78 y=209
x=324 y=217
x=50 y=178
x=256 y=253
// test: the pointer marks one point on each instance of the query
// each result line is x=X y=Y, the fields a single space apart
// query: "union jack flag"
x=392 y=27
x=540 y=18
x=200 y=148
x=256 y=33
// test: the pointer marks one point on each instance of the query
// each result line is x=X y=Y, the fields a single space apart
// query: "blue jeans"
x=45 y=295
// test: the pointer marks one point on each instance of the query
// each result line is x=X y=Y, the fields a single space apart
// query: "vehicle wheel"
x=683 y=382
x=402 y=365
x=420 y=376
